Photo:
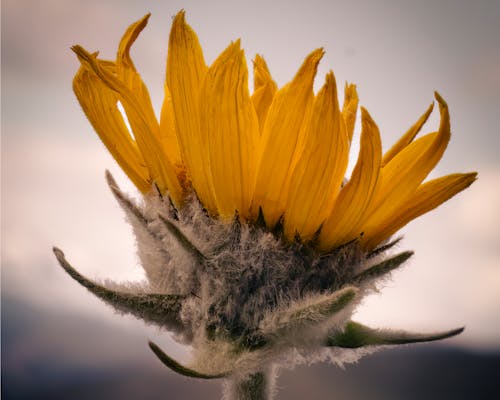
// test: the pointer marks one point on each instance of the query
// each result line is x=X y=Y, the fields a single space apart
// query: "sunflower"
x=254 y=242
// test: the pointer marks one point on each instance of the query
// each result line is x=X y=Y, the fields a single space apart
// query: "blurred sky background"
x=54 y=193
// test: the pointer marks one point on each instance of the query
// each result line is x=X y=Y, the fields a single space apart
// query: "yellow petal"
x=128 y=74
x=264 y=89
x=168 y=136
x=345 y=221
x=319 y=172
x=350 y=108
x=404 y=173
x=230 y=124
x=186 y=70
x=125 y=69
x=145 y=132
x=427 y=197
x=282 y=140
x=408 y=137
x=100 y=106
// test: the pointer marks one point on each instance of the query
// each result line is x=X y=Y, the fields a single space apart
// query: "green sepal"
x=384 y=267
x=183 y=240
x=161 y=309
x=315 y=312
x=357 y=335
x=125 y=202
x=179 y=368
x=384 y=248
x=324 y=309
x=145 y=221
x=131 y=208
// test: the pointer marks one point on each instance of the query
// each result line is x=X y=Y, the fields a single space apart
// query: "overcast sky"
x=397 y=52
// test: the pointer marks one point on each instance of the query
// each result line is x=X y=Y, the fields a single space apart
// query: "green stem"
x=257 y=386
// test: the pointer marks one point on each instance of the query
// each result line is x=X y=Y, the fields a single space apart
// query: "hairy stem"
x=258 y=386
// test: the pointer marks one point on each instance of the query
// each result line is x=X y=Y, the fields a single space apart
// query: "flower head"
x=252 y=238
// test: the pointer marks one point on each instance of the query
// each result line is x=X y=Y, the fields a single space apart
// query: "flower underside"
x=241 y=295
x=253 y=240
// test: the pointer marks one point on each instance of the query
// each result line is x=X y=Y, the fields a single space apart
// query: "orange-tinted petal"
x=186 y=70
x=145 y=132
x=264 y=89
x=230 y=124
x=408 y=137
x=346 y=218
x=282 y=140
x=168 y=136
x=427 y=197
x=100 y=106
x=319 y=172
x=350 y=108
x=404 y=173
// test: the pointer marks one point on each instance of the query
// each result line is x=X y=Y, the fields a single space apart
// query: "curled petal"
x=100 y=106
x=404 y=173
x=143 y=124
x=127 y=73
x=408 y=137
x=427 y=197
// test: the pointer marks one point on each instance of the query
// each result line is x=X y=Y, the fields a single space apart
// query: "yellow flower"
x=280 y=154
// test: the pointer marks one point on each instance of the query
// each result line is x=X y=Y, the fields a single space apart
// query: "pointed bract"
x=356 y=335
x=179 y=368
x=307 y=314
x=160 y=309
x=185 y=243
x=383 y=268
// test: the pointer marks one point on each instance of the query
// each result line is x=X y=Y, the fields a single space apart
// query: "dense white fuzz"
x=251 y=297
x=246 y=299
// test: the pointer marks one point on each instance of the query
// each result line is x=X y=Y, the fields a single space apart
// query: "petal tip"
x=258 y=60
x=330 y=77
x=440 y=100
x=471 y=177
x=365 y=115
x=180 y=16
x=317 y=55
